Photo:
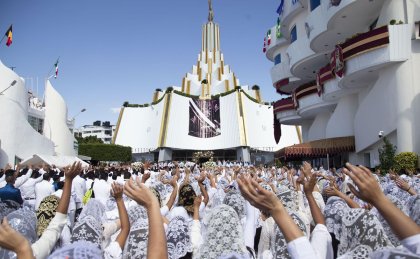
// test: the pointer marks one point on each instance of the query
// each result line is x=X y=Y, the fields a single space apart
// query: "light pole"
x=72 y=120
x=11 y=84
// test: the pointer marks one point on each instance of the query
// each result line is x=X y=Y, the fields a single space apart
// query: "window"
x=293 y=34
x=36 y=123
x=315 y=4
x=108 y=132
x=277 y=59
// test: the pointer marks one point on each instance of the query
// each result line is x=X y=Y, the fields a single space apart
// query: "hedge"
x=106 y=152
x=405 y=160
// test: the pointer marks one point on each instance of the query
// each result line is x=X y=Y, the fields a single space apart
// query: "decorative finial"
x=211 y=14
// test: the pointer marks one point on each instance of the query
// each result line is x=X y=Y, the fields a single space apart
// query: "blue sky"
x=116 y=51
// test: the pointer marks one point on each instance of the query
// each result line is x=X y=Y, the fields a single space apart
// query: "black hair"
x=60 y=185
x=46 y=177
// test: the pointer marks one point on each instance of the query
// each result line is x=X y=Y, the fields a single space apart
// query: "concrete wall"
x=341 y=121
x=55 y=125
x=319 y=127
x=17 y=136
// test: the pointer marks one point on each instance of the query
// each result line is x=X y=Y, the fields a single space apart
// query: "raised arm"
x=172 y=198
x=74 y=170
x=333 y=191
x=370 y=191
x=268 y=201
x=12 y=240
x=308 y=187
x=117 y=191
x=203 y=188
x=156 y=247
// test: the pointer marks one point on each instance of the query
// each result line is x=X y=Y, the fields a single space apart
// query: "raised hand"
x=12 y=240
x=74 y=170
x=258 y=196
x=145 y=177
x=306 y=169
x=369 y=189
x=201 y=178
x=309 y=185
x=402 y=184
x=146 y=165
x=174 y=181
x=332 y=191
x=140 y=193
x=117 y=190
x=197 y=201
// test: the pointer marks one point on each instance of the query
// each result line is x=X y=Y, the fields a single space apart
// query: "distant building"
x=101 y=130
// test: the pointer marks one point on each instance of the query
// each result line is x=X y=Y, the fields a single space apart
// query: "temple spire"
x=211 y=14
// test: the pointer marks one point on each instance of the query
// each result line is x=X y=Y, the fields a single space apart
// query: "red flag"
x=9 y=36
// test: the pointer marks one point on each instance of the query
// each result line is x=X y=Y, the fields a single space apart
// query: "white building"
x=102 y=131
x=350 y=70
x=30 y=126
x=209 y=111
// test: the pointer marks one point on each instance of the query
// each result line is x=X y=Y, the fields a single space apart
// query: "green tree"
x=387 y=155
x=89 y=140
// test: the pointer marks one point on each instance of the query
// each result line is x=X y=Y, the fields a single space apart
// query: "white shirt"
x=42 y=190
x=102 y=190
x=79 y=187
x=412 y=243
x=21 y=180
x=42 y=248
x=321 y=242
x=27 y=189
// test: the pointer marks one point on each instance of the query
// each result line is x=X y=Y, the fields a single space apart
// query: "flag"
x=9 y=36
x=56 y=69
x=269 y=37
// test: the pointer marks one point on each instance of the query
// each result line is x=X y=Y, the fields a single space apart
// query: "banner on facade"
x=204 y=118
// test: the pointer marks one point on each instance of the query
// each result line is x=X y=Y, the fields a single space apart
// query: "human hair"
x=46 y=177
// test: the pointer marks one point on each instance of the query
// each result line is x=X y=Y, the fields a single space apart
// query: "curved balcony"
x=332 y=92
x=304 y=62
x=331 y=23
x=367 y=53
x=291 y=9
x=276 y=43
x=285 y=111
x=283 y=80
x=310 y=101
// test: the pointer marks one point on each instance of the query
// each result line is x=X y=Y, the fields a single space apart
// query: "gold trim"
x=188 y=86
x=227 y=85
x=241 y=120
x=258 y=95
x=222 y=66
x=183 y=85
x=219 y=74
x=299 y=133
x=165 y=119
x=118 y=125
x=305 y=90
x=367 y=40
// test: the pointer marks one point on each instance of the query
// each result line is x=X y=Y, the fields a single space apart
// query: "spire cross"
x=211 y=14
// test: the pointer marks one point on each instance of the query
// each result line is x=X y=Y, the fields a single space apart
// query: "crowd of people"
x=182 y=210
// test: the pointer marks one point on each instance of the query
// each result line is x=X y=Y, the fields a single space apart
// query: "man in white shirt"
x=43 y=189
x=28 y=188
x=79 y=189
x=20 y=180
x=101 y=188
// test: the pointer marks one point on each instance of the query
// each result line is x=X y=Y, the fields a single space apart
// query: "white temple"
x=210 y=111
x=31 y=126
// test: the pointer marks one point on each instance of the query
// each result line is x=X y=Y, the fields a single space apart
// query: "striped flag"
x=9 y=36
x=56 y=69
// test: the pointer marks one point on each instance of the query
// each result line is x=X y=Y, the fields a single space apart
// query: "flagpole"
x=48 y=75
x=4 y=36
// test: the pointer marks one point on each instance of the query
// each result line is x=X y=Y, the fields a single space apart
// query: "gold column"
x=188 y=86
x=114 y=138
x=183 y=85
x=165 y=119
x=227 y=85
